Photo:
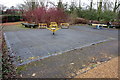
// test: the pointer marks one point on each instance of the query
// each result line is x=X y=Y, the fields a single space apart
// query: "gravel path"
x=10 y=23
x=105 y=70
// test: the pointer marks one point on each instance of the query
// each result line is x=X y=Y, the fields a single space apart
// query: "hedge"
x=11 y=18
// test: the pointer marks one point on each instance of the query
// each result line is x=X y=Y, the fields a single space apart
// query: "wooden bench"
x=30 y=25
x=42 y=25
x=64 y=25
x=99 y=26
x=102 y=25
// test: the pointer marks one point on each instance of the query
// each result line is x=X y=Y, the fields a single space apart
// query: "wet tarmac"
x=67 y=65
x=37 y=44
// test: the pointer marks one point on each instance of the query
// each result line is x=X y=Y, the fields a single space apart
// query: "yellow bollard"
x=53 y=27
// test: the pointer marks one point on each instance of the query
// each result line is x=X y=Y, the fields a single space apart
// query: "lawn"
x=17 y=27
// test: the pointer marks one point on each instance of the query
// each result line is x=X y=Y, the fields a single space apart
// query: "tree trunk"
x=99 y=10
x=116 y=6
x=33 y=5
x=60 y=5
x=91 y=5
x=105 y=5
x=79 y=3
x=119 y=15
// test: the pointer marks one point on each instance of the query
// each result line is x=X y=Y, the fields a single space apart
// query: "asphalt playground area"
x=31 y=45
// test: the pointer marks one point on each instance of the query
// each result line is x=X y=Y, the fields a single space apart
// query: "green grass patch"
x=18 y=27
x=21 y=68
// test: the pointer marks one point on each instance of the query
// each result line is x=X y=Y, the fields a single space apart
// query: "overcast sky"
x=10 y=3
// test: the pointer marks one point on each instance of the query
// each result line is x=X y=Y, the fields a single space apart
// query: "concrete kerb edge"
x=10 y=51
x=1 y=40
x=8 y=44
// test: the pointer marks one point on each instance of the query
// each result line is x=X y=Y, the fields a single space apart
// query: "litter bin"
x=98 y=26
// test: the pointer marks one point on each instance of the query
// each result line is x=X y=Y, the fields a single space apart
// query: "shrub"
x=81 y=21
x=10 y=18
x=43 y=15
x=108 y=16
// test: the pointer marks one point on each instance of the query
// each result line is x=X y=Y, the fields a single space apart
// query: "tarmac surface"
x=31 y=45
x=72 y=63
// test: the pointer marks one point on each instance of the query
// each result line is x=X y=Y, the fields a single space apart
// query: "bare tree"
x=116 y=6
x=60 y=4
x=107 y=5
x=91 y=5
x=49 y=2
x=30 y=4
x=99 y=9
x=21 y=6
x=79 y=3
x=119 y=15
x=2 y=7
